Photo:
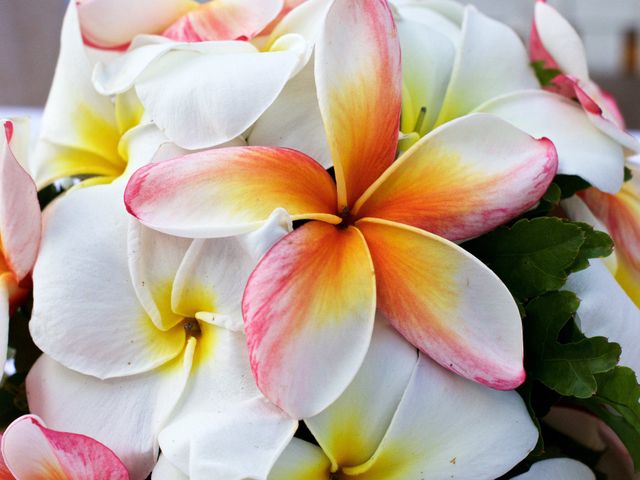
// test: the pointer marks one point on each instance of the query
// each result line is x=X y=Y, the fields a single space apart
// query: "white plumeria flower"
x=136 y=342
x=558 y=469
x=226 y=82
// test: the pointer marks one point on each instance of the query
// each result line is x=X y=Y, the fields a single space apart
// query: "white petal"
x=558 y=469
x=301 y=460
x=86 y=314
x=125 y=414
x=4 y=316
x=165 y=470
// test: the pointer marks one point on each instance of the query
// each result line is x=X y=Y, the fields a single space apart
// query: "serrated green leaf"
x=533 y=256
x=597 y=244
x=568 y=368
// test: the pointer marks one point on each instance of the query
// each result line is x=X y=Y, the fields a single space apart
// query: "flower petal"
x=19 y=211
x=79 y=134
x=214 y=273
x=113 y=24
x=301 y=460
x=582 y=149
x=85 y=234
x=446 y=303
x=125 y=414
x=165 y=470
x=224 y=20
x=31 y=450
x=463 y=179
x=5 y=289
x=358 y=76
x=558 y=469
x=349 y=432
x=229 y=191
x=476 y=433
x=308 y=309
x=491 y=61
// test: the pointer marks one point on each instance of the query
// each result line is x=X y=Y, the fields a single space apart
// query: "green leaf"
x=570 y=184
x=531 y=257
x=553 y=194
x=545 y=75
x=628 y=174
x=597 y=244
x=567 y=367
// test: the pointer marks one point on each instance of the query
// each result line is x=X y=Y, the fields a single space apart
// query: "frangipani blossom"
x=144 y=332
x=30 y=451
x=380 y=235
x=457 y=61
x=555 y=43
x=19 y=229
x=405 y=417
x=558 y=469
x=226 y=84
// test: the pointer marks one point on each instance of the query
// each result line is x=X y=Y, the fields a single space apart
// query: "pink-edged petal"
x=229 y=191
x=224 y=20
x=358 y=76
x=463 y=179
x=583 y=150
x=19 y=210
x=558 y=469
x=485 y=42
x=31 y=450
x=447 y=427
x=301 y=460
x=308 y=309
x=92 y=320
x=446 y=303
x=113 y=24
x=351 y=428
x=5 y=473
x=125 y=414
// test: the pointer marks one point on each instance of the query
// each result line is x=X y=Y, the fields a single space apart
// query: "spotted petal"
x=308 y=310
x=447 y=303
x=229 y=191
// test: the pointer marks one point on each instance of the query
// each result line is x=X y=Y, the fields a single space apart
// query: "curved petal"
x=558 y=469
x=214 y=272
x=79 y=134
x=449 y=9
x=294 y=120
x=309 y=308
x=84 y=239
x=476 y=433
x=5 y=294
x=229 y=191
x=19 y=211
x=582 y=149
x=432 y=19
x=113 y=24
x=301 y=460
x=351 y=428
x=31 y=450
x=358 y=76
x=224 y=20
x=491 y=61
x=165 y=470
x=447 y=303
x=463 y=179
x=125 y=414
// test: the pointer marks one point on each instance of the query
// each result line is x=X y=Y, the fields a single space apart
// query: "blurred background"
x=29 y=31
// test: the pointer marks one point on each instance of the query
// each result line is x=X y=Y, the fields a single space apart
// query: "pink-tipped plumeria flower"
x=31 y=451
x=19 y=228
x=380 y=235
x=558 y=469
x=225 y=84
x=457 y=61
x=555 y=43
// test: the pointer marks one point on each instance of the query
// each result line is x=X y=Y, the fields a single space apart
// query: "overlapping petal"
x=93 y=321
x=165 y=470
x=31 y=450
x=229 y=191
x=463 y=179
x=301 y=460
x=443 y=300
x=359 y=99
x=558 y=469
x=308 y=307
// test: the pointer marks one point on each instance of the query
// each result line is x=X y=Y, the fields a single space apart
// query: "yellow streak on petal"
x=196 y=297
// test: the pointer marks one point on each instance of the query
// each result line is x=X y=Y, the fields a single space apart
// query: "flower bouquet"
x=319 y=240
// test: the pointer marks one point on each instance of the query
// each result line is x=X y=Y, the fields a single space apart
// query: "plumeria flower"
x=19 y=228
x=380 y=235
x=31 y=451
x=145 y=332
x=212 y=66
x=404 y=416
x=557 y=45
x=558 y=469
x=456 y=61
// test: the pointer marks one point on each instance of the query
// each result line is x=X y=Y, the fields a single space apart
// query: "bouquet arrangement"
x=317 y=240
